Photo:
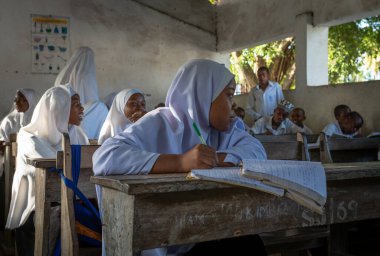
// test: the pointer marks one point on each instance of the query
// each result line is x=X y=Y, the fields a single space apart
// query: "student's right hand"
x=137 y=115
x=199 y=157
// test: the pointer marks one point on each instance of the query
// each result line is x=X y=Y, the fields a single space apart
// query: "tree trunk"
x=244 y=71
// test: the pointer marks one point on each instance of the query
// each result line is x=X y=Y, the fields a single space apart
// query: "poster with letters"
x=50 y=43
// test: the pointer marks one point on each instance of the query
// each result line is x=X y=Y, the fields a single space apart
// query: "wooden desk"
x=141 y=212
x=47 y=190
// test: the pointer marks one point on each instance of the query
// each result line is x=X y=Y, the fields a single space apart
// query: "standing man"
x=264 y=97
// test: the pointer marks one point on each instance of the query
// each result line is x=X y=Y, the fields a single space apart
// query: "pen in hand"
x=199 y=133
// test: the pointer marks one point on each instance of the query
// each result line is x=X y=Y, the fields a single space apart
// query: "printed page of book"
x=307 y=178
x=233 y=176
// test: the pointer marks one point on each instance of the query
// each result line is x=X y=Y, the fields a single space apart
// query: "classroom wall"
x=319 y=103
x=136 y=43
x=247 y=23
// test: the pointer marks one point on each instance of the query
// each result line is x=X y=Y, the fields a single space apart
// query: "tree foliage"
x=354 y=48
x=353 y=56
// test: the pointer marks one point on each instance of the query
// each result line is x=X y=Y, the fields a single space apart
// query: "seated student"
x=348 y=127
x=278 y=124
x=297 y=116
x=164 y=140
x=240 y=112
x=80 y=73
x=53 y=115
x=20 y=115
x=340 y=112
x=127 y=108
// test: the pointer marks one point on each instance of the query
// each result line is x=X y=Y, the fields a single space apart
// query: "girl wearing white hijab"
x=58 y=111
x=164 y=139
x=20 y=115
x=80 y=73
x=128 y=107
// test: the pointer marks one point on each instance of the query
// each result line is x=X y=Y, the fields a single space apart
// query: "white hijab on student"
x=116 y=120
x=169 y=129
x=41 y=138
x=15 y=120
x=80 y=73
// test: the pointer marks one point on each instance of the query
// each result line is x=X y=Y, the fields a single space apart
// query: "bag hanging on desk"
x=87 y=218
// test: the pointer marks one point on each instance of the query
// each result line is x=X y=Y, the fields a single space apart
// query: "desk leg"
x=42 y=213
x=9 y=170
x=118 y=222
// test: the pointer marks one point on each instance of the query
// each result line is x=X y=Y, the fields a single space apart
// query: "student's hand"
x=199 y=157
x=137 y=115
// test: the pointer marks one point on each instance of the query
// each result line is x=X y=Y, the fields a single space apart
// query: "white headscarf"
x=51 y=115
x=169 y=130
x=80 y=72
x=15 y=120
x=116 y=120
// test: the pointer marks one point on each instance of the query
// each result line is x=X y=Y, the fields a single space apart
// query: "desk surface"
x=162 y=183
x=148 y=211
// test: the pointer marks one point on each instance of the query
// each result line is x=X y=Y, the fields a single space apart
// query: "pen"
x=195 y=126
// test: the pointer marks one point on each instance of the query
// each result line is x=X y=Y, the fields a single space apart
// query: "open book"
x=303 y=182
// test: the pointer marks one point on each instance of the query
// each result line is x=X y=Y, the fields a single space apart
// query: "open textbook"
x=301 y=181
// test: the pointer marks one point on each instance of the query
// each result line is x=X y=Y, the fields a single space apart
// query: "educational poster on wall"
x=50 y=43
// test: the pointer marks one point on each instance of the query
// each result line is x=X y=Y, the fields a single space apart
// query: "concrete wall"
x=247 y=23
x=135 y=44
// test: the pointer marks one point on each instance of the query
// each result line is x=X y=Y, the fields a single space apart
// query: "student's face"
x=343 y=114
x=348 y=125
x=21 y=102
x=221 y=115
x=76 y=110
x=263 y=77
x=135 y=103
x=279 y=116
x=297 y=117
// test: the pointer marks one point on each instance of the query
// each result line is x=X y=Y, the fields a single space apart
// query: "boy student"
x=264 y=97
x=164 y=140
x=297 y=116
x=348 y=127
x=278 y=124
x=59 y=110
x=340 y=112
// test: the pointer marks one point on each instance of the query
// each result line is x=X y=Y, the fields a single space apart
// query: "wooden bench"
x=48 y=190
x=149 y=211
x=340 y=150
x=285 y=147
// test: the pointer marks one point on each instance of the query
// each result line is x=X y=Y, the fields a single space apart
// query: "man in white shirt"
x=264 y=97
x=278 y=124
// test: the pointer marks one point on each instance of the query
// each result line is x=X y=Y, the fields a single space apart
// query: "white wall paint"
x=134 y=46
